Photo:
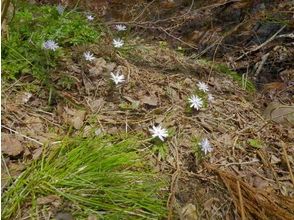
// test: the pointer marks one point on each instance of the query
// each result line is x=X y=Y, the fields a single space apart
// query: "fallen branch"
x=262 y=45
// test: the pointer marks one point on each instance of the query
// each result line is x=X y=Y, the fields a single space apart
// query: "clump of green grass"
x=104 y=176
x=222 y=68
x=31 y=26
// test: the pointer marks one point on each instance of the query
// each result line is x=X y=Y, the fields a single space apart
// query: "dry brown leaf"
x=37 y=153
x=35 y=123
x=260 y=183
x=189 y=212
x=64 y=216
x=92 y=217
x=149 y=100
x=15 y=169
x=97 y=70
x=87 y=130
x=74 y=117
x=47 y=199
x=23 y=98
x=10 y=145
x=96 y=104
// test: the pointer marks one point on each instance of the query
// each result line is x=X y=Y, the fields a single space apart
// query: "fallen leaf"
x=15 y=168
x=37 y=153
x=189 y=212
x=35 y=123
x=87 y=131
x=92 y=217
x=74 y=117
x=259 y=183
x=275 y=159
x=98 y=132
x=96 y=104
x=64 y=216
x=100 y=65
x=23 y=97
x=149 y=100
x=10 y=145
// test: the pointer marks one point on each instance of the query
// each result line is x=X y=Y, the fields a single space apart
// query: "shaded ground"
x=250 y=170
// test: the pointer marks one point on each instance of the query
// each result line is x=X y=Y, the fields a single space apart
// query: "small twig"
x=262 y=62
x=291 y=35
x=16 y=132
x=288 y=163
x=143 y=11
x=262 y=45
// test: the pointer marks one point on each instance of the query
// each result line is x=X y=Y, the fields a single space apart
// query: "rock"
x=279 y=113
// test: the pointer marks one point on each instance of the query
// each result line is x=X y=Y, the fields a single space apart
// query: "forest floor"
x=78 y=147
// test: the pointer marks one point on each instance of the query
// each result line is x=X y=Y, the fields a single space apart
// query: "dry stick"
x=288 y=163
x=145 y=8
x=261 y=45
x=5 y=5
x=262 y=62
x=174 y=181
x=16 y=132
x=241 y=201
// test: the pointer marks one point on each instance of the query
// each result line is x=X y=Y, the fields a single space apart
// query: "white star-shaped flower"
x=117 y=78
x=158 y=131
x=120 y=27
x=210 y=98
x=90 y=17
x=118 y=43
x=60 y=9
x=196 y=102
x=205 y=146
x=89 y=56
x=50 y=45
x=203 y=86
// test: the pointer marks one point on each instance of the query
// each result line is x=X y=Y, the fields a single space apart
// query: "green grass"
x=104 y=176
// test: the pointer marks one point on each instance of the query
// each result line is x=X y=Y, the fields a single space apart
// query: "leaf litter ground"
x=249 y=173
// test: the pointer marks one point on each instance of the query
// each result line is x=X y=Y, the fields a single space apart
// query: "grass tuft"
x=101 y=175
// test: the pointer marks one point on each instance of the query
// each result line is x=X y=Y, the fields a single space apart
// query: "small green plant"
x=160 y=148
x=196 y=149
x=256 y=143
x=66 y=82
x=22 y=49
x=104 y=176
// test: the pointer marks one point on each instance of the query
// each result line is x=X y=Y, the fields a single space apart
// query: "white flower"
x=203 y=86
x=120 y=27
x=118 y=43
x=89 y=56
x=50 y=45
x=210 y=98
x=116 y=78
x=90 y=17
x=205 y=146
x=196 y=102
x=60 y=9
x=159 y=132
